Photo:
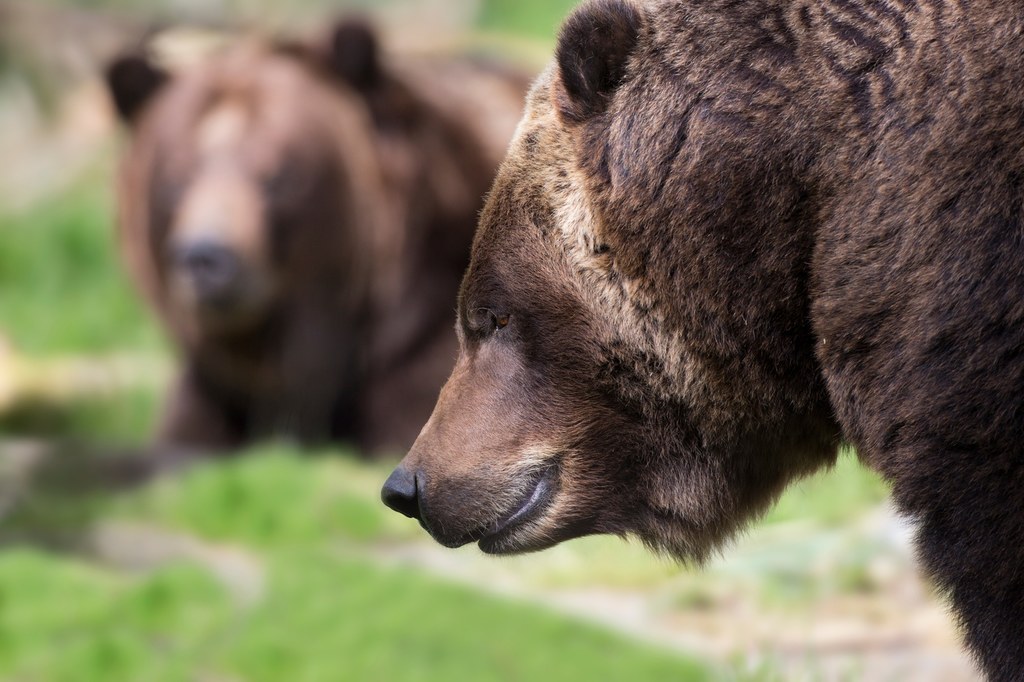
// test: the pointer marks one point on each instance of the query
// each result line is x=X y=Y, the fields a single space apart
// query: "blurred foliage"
x=829 y=496
x=327 y=610
x=125 y=416
x=66 y=620
x=90 y=31
x=402 y=625
x=328 y=616
x=273 y=497
x=62 y=287
x=535 y=18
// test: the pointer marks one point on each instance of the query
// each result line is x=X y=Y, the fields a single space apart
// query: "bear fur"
x=728 y=238
x=300 y=215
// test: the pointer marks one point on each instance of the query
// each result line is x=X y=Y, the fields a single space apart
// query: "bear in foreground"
x=300 y=215
x=727 y=238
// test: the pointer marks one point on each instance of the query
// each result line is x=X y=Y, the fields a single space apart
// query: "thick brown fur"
x=363 y=173
x=760 y=230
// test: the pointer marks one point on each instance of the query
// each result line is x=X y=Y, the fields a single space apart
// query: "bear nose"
x=211 y=266
x=399 y=493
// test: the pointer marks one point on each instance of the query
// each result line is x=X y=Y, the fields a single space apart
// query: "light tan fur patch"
x=223 y=128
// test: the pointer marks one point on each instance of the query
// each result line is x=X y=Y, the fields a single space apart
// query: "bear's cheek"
x=478 y=421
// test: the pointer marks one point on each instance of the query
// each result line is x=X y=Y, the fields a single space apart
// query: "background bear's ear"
x=353 y=53
x=133 y=80
x=593 y=48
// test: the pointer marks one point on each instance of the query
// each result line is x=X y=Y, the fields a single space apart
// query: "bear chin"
x=521 y=527
x=519 y=530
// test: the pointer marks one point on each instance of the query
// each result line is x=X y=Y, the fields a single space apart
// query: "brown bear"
x=300 y=218
x=727 y=238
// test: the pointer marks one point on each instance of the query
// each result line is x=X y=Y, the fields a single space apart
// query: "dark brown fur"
x=364 y=174
x=761 y=229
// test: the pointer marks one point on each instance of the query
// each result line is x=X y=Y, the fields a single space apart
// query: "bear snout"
x=212 y=270
x=400 y=492
x=449 y=513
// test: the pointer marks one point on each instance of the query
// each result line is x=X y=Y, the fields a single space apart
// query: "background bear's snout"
x=212 y=269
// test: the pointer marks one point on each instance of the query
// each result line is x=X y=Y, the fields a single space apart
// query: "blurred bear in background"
x=299 y=216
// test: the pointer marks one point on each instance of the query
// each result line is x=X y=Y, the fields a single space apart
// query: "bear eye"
x=486 y=321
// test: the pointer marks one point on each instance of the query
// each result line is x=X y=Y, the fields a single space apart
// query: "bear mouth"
x=498 y=536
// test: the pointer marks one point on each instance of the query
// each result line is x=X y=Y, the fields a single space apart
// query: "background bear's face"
x=254 y=170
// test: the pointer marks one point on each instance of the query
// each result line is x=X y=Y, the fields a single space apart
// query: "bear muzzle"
x=218 y=287
x=212 y=271
x=451 y=514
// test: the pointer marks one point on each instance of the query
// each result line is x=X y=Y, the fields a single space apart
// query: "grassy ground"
x=325 y=616
x=318 y=605
x=62 y=289
x=535 y=18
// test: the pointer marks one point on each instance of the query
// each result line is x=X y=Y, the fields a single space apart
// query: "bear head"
x=248 y=180
x=616 y=374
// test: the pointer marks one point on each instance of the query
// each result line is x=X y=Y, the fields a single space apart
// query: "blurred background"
x=281 y=564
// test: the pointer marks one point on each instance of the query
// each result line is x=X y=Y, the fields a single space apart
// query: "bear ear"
x=593 y=48
x=353 y=53
x=133 y=80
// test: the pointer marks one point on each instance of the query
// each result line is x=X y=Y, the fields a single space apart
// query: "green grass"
x=62 y=289
x=533 y=18
x=124 y=417
x=330 y=611
x=274 y=497
x=397 y=624
x=65 y=620
x=829 y=496
x=326 y=616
